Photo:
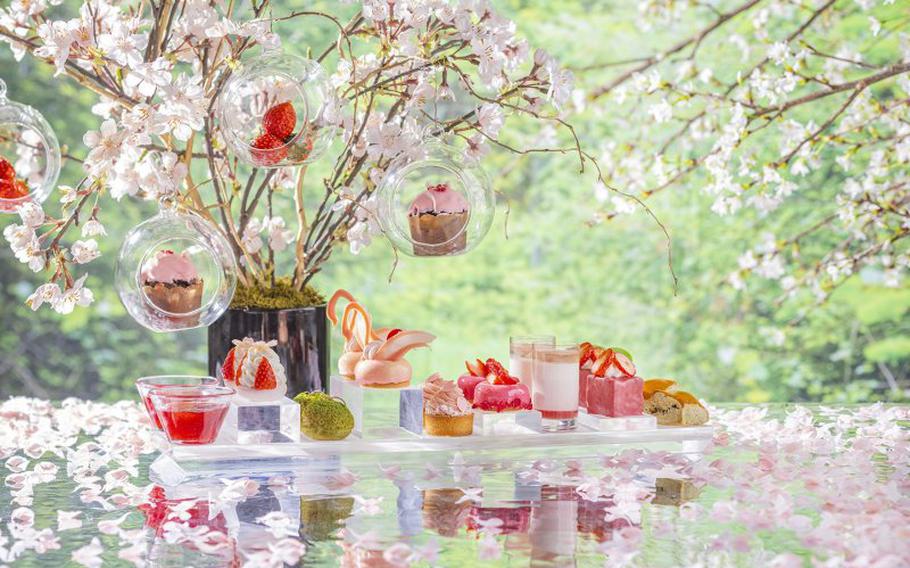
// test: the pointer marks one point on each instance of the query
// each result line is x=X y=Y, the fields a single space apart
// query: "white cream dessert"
x=255 y=369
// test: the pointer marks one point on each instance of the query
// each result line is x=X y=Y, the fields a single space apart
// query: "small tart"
x=443 y=425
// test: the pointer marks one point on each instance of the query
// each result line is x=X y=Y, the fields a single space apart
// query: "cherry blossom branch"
x=694 y=40
x=869 y=80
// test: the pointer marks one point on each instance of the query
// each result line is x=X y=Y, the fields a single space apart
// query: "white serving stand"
x=225 y=458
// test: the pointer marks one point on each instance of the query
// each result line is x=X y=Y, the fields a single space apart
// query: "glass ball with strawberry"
x=272 y=111
x=29 y=155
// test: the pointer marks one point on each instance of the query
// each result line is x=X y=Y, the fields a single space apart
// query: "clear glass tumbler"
x=521 y=356
x=145 y=384
x=191 y=415
x=556 y=385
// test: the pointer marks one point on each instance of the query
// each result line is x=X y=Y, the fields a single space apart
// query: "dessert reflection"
x=546 y=524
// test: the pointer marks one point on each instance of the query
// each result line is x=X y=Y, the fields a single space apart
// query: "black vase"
x=303 y=342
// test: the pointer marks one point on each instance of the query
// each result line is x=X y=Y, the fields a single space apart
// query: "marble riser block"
x=488 y=423
x=381 y=413
x=608 y=423
x=261 y=422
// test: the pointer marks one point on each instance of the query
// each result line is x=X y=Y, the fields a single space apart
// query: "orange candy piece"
x=685 y=397
x=653 y=385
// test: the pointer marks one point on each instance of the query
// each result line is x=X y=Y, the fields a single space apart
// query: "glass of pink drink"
x=521 y=356
x=556 y=385
x=146 y=384
x=191 y=415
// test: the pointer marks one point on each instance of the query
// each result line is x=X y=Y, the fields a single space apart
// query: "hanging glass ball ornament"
x=175 y=271
x=437 y=205
x=272 y=111
x=29 y=155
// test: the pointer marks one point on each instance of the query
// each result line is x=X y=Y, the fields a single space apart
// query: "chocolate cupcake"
x=170 y=281
x=438 y=219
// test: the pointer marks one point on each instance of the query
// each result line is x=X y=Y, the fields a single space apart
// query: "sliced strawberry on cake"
x=255 y=370
x=230 y=369
x=477 y=373
x=612 y=387
x=588 y=354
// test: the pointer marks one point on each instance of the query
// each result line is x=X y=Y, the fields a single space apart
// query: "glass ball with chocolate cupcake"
x=175 y=271
x=435 y=204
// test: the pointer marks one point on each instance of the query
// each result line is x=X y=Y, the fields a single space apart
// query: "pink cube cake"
x=615 y=396
x=499 y=398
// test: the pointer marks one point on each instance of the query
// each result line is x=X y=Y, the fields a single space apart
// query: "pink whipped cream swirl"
x=442 y=397
x=439 y=199
x=169 y=267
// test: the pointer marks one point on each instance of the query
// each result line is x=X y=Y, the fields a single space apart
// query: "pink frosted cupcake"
x=437 y=218
x=446 y=412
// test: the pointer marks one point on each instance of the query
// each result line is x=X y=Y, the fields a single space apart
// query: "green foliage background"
x=607 y=284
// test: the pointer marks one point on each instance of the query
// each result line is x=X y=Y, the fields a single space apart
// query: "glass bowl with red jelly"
x=146 y=384
x=191 y=414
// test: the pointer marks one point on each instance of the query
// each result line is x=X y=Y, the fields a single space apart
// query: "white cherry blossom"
x=85 y=251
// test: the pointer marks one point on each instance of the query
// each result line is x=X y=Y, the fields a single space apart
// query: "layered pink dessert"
x=556 y=383
x=613 y=389
x=488 y=386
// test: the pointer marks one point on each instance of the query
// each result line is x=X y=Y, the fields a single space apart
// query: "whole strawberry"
x=280 y=121
x=7 y=172
x=265 y=376
x=268 y=150
x=13 y=189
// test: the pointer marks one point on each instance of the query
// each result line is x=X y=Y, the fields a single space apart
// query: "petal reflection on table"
x=779 y=486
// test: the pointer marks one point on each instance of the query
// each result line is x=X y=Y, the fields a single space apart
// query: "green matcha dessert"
x=323 y=417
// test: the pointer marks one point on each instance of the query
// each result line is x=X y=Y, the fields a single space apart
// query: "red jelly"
x=559 y=414
x=193 y=425
x=192 y=414
x=146 y=384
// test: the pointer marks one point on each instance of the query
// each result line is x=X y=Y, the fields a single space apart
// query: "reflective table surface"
x=779 y=485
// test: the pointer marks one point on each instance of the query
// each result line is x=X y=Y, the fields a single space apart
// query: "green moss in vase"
x=281 y=296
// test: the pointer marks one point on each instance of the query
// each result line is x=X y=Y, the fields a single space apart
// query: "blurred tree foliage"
x=555 y=274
